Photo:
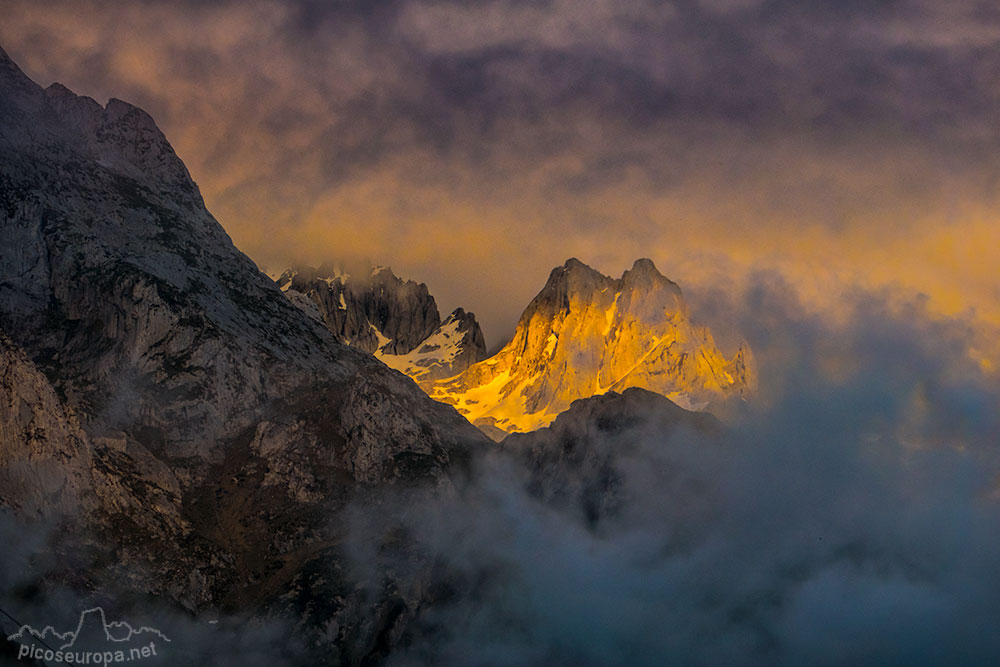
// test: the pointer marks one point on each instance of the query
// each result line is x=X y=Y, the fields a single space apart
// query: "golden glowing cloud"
x=475 y=147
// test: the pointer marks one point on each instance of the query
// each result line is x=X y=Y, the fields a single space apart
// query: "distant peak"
x=59 y=88
x=644 y=273
x=644 y=265
x=12 y=75
x=574 y=280
x=575 y=269
x=463 y=317
x=572 y=269
x=117 y=109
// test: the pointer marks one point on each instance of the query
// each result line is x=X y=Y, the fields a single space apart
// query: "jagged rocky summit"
x=370 y=308
x=583 y=335
x=586 y=334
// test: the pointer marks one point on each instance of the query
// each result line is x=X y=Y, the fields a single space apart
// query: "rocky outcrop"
x=398 y=321
x=586 y=334
x=580 y=462
x=366 y=307
x=454 y=346
x=45 y=457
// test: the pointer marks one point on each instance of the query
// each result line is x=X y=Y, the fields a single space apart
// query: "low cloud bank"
x=850 y=516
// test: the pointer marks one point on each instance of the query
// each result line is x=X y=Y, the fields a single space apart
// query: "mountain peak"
x=371 y=308
x=573 y=281
x=58 y=89
x=644 y=279
x=644 y=265
x=643 y=270
x=13 y=81
x=365 y=306
x=118 y=137
x=574 y=267
x=585 y=334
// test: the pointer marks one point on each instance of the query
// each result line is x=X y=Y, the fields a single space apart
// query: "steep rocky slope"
x=131 y=297
x=216 y=429
x=585 y=334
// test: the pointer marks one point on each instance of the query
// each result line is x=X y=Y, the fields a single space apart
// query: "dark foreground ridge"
x=202 y=435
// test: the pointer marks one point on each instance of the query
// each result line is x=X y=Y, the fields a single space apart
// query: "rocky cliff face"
x=215 y=428
x=450 y=349
x=585 y=334
x=371 y=309
x=45 y=458
x=367 y=307
x=124 y=289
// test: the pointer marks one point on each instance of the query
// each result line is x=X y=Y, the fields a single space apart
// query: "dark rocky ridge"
x=361 y=303
x=403 y=311
x=472 y=345
x=575 y=463
x=215 y=429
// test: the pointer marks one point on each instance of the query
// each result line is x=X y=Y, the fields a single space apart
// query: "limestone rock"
x=586 y=334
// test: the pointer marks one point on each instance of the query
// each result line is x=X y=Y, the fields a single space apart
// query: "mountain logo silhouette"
x=93 y=625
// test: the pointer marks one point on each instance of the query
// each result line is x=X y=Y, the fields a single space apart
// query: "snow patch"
x=439 y=350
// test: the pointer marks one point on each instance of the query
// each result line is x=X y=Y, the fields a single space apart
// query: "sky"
x=475 y=145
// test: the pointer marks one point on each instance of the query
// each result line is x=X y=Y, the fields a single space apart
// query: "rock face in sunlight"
x=585 y=334
x=214 y=429
x=369 y=308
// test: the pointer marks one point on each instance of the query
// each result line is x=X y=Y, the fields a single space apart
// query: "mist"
x=849 y=515
x=47 y=579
